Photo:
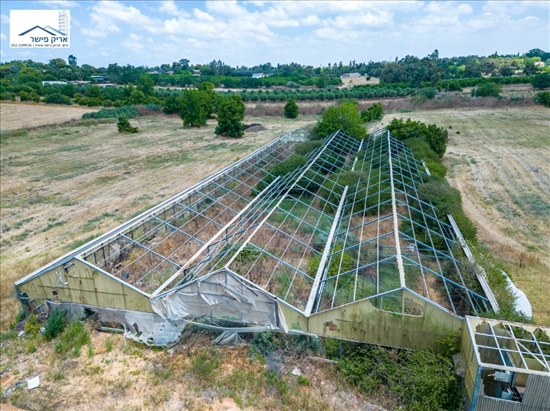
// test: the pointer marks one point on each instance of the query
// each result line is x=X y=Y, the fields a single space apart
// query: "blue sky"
x=314 y=33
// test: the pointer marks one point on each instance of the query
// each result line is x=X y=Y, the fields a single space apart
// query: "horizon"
x=256 y=32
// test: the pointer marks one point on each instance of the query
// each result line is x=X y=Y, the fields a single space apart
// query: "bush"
x=126 y=111
x=55 y=324
x=73 y=338
x=374 y=112
x=541 y=81
x=436 y=137
x=281 y=169
x=57 y=98
x=487 y=90
x=291 y=109
x=344 y=117
x=230 y=117
x=422 y=380
x=124 y=126
x=543 y=98
x=306 y=147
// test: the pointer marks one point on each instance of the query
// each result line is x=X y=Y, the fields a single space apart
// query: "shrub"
x=422 y=380
x=374 y=112
x=73 y=338
x=435 y=136
x=543 y=98
x=291 y=109
x=57 y=98
x=488 y=89
x=541 y=81
x=343 y=117
x=230 y=117
x=126 y=111
x=124 y=126
x=281 y=169
x=306 y=147
x=55 y=324
x=32 y=326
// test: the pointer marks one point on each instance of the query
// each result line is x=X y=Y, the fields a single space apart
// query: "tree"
x=343 y=117
x=374 y=112
x=137 y=97
x=146 y=84
x=72 y=61
x=543 y=98
x=230 y=117
x=541 y=81
x=193 y=108
x=291 y=109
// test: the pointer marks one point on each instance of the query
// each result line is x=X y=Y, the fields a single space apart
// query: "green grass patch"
x=72 y=340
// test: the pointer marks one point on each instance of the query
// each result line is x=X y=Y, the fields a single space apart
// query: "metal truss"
x=347 y=225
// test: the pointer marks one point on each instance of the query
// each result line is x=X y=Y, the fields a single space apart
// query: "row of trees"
x=410 y=69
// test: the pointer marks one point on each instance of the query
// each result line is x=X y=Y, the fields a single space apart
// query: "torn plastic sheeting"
x=221 y=295
x=151 y=329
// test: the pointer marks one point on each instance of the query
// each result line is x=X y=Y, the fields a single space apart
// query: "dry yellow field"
x=27 y=115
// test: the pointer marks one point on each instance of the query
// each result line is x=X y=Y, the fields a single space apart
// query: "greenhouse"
x=328 y=237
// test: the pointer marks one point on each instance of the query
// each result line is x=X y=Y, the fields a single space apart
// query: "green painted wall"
x=84 y=285
x=361 y=321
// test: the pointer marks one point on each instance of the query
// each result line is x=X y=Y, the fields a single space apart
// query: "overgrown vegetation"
x=374 y=112
x=422 y=380
x=345 y=117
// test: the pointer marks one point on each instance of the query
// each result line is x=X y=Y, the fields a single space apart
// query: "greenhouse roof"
x=347 y=224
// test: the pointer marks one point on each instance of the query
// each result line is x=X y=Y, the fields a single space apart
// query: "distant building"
x=258 y=75
x=102 y=77
x=197 y=73
x=350 y=75
x=53 y=83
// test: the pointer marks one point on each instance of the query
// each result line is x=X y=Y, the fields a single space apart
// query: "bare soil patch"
x=28 y=115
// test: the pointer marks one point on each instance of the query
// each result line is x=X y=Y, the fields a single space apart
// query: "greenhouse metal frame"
x=343 y=246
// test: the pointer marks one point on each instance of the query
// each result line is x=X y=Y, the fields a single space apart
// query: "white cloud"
x=5 y=19
x=3 y=36
x=170 y=7
x=133 y=42
x=228 y=8
x=59 y=3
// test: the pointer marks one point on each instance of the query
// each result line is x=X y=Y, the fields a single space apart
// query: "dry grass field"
x=15 y=116
x=64 y=184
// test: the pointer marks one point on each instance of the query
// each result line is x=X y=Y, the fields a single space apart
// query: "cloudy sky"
x=314 y=33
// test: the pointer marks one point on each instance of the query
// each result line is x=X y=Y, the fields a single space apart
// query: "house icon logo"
x=39 y=28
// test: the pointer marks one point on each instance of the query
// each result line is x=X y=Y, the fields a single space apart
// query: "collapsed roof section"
x=347 y=224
